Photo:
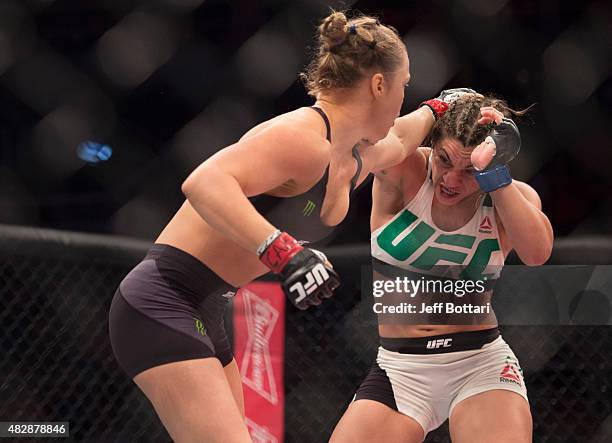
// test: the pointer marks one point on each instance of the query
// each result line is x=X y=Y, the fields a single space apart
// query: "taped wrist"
x=277 y=250
x=493 y=179
x=437 y=106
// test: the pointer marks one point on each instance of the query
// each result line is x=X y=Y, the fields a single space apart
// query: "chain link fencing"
x=57 y=363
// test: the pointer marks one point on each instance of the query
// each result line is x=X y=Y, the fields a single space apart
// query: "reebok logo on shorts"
x=511 y=372
x=439 y=343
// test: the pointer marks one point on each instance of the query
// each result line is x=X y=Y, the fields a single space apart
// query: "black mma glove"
x=505 y=143
x=306 y=274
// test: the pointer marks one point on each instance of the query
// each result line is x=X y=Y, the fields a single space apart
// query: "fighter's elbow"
x=187 y=186
x=537 y=256
x=192 y=184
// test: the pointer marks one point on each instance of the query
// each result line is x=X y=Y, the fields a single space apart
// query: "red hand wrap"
x=439 y=107
x=280 y=251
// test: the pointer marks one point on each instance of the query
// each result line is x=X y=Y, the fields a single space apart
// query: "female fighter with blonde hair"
x=248 y=210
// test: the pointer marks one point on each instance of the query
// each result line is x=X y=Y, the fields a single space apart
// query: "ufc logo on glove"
x=314 y=278
x=306 y=275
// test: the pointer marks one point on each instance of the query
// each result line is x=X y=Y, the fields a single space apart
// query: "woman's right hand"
x=306 y=275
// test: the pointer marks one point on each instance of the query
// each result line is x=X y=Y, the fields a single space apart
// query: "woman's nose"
x=452 y=179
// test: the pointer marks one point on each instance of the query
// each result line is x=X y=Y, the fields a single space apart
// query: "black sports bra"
x=300 y=215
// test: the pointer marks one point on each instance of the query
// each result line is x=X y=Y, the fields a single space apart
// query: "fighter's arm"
x=522 y=224
x=219 y=187
x=409 y=131
x=406 y=135
x=387 y=195
x=524 y=227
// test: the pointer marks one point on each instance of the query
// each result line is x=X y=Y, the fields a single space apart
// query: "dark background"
x=166 y=83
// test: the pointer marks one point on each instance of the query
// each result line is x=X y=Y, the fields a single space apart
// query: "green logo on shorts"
x=199 y=326
x=310 y=205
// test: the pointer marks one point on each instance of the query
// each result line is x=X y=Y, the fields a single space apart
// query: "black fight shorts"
x=169 y=308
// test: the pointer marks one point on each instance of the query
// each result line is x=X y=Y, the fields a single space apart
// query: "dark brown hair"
x=348 y=49
x=460 y=121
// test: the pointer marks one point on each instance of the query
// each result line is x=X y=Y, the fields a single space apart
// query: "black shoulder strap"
x=355 y=152
x=357 y=158
x=326 y=120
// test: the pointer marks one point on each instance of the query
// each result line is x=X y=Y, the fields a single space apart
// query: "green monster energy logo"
x=199 y=326
x=310 y=205
x=408 y=245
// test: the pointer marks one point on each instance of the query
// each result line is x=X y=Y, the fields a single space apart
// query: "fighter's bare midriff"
x=189 y=232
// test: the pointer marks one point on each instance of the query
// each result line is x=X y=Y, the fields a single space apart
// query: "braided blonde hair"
x=349 y=49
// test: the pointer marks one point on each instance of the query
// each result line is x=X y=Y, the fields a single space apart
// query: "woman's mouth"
x=447 y=192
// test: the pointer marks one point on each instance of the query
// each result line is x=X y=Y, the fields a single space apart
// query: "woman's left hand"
x=484 y=152
x=490 y=114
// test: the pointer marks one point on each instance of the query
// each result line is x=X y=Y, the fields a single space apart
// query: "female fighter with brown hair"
x=453 y=206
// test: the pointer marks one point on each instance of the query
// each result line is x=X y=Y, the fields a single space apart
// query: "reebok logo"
x=439 y=343
x=511 y=372
x=485 y=225
x=310 y=205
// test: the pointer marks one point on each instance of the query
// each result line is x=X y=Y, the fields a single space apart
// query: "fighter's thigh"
x=194 y=400
x=493 y=416
x=368 y=421
x=233 y=377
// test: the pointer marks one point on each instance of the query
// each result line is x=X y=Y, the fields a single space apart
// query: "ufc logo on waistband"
x=439 y=343
x=314 y=278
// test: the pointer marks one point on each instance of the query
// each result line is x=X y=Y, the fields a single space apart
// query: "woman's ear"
x=377 y=85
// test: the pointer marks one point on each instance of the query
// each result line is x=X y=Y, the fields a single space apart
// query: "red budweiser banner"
x=259 y=343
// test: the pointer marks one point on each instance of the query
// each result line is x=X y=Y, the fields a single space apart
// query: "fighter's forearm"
x=527 y=227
